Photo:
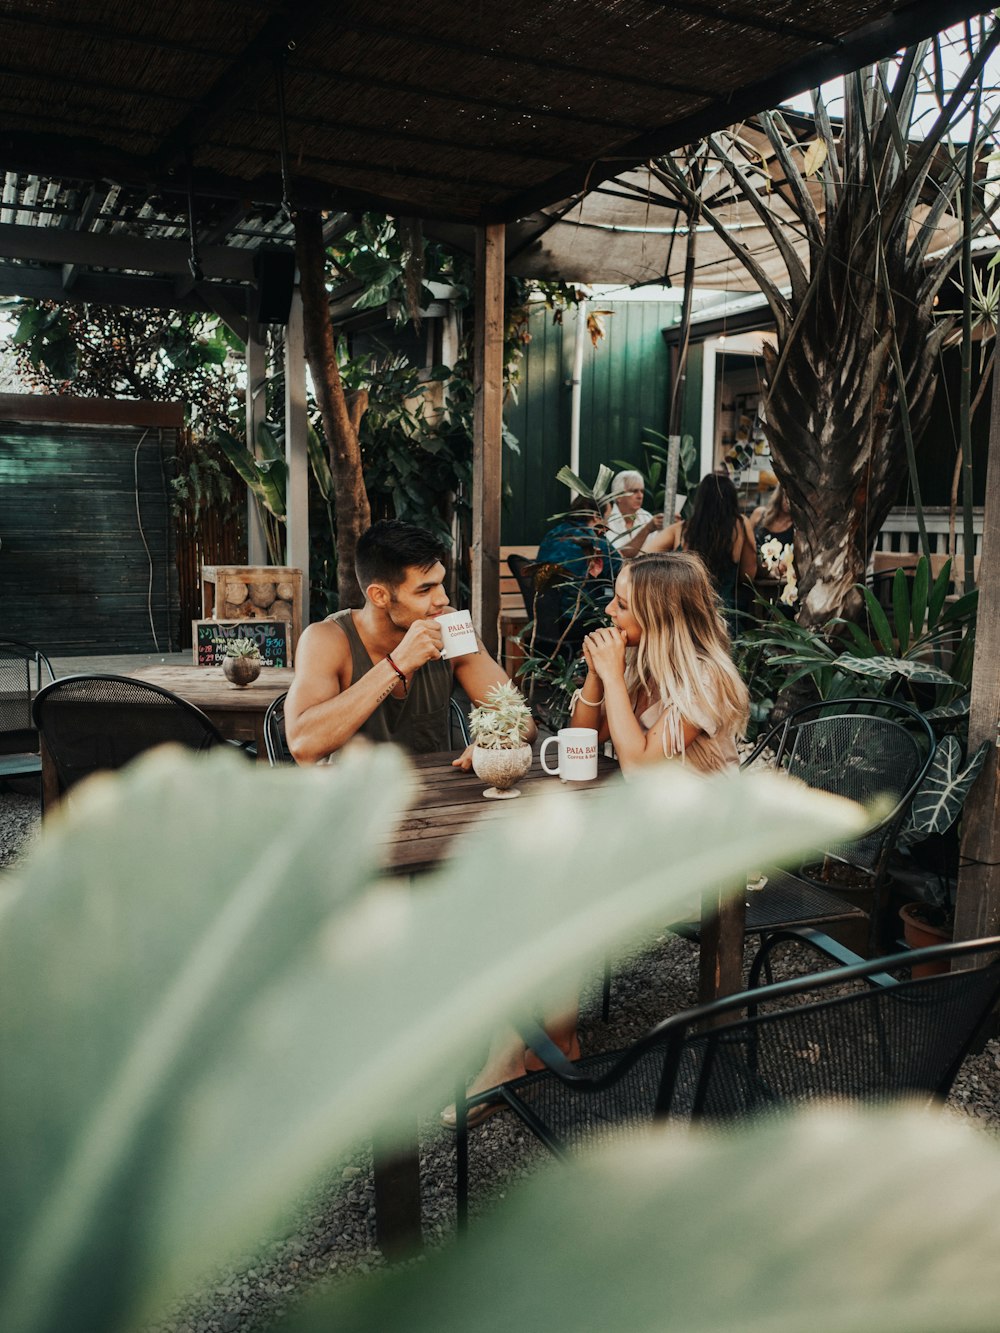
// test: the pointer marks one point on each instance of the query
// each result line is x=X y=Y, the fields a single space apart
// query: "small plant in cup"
x=241 y=663
x=498 y=727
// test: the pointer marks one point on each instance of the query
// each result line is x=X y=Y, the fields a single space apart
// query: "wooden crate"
x=261 y=584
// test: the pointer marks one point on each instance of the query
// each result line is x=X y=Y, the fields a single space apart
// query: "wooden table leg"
x=721 y=963
x=397 y=1201
x=50 y=780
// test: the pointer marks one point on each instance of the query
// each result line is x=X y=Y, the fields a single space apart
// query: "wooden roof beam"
x=55 y=245
x=114 y=289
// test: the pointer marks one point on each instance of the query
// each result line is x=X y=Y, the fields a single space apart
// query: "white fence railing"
x=900 y=531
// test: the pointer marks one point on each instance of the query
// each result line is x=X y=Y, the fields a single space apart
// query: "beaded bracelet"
x=578 y=697
x=395 y=668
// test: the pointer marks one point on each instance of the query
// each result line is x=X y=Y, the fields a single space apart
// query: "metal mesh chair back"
x=543 y=604
x=274 y=733
x=90 y=723
x=860 y=757
x=458 y=725
x=860 y=748
x=830 y=1036
x=24 y=670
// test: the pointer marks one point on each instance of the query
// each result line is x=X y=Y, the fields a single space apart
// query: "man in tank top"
x=378 y=672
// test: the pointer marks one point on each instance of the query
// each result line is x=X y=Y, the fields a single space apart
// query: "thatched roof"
x=122 y=122
x=479 y=110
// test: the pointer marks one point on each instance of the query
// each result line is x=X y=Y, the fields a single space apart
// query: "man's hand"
x=464 y=760
x=655 y=524
x=421 y=643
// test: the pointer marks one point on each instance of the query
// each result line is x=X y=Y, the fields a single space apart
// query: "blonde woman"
x=660 y=681
x=661 y=685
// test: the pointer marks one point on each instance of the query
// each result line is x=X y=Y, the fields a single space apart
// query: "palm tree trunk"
x=352 y=511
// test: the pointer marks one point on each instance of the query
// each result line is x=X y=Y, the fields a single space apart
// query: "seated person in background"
x=771 y=520
x=628 y=523
x=378 y=672
x=719 y=533
x=577 y=543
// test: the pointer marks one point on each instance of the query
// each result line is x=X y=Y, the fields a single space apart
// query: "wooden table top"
x=448 y=802
x=208 y=689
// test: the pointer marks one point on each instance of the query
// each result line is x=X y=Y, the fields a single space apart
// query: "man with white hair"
x=627 y=522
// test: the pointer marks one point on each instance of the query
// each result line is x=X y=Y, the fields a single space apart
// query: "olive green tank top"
x=419 y=722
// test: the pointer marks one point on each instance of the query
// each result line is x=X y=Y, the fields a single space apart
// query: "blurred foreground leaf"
x=203 y=1001
x=835 y=1222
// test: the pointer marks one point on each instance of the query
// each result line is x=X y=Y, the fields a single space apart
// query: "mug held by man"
x=458 y=635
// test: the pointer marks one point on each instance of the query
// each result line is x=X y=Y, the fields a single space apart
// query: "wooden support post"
x=487 y=433
x=720 y=971
x=977 y=907
x=256 y=378
x=297 y=450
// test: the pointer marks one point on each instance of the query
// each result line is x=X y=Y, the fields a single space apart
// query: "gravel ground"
x=334 y=1233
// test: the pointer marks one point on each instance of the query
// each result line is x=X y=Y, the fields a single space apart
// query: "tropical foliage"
x=854 y=206
x=183 y=1052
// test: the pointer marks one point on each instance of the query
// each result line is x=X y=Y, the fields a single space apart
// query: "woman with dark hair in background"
x=719 y=533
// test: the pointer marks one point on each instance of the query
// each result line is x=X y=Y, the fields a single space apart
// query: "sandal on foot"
x=476 y=1115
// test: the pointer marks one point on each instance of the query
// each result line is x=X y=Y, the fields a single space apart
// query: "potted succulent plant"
x=241 y=663
x=498 y=728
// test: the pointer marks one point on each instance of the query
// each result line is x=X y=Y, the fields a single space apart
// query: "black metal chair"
x=866 y=750
x=858 y=1033
x=457 y=723
x=539 y=585
x=274 y=733
x=279 y=753
x=24 y=670
x=93 y=723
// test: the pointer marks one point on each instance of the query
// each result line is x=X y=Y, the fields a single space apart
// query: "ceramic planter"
x=501 y=768
x=240 y=671
x=920 y=934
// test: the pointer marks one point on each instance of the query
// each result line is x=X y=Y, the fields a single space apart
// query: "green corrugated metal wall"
x=624 y=389
x=75 y=556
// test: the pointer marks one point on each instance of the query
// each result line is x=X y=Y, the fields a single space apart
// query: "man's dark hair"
x=389 y=548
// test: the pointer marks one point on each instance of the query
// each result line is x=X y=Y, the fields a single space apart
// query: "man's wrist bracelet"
x=388 y=658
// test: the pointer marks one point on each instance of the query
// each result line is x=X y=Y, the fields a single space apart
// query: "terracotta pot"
x=501 y=768
x=922 y=935
x=240 y=671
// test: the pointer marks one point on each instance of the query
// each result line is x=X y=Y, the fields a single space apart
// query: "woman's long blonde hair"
x=683 y=653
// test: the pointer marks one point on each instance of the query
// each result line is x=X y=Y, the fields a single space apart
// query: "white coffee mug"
x=577 y=754
x=458 y=636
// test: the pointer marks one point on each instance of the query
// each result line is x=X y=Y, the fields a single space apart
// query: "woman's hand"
x=604 y=651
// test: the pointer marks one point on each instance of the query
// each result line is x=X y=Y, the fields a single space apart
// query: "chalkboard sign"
x=271 y=637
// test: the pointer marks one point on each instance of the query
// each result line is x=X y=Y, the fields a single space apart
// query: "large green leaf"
x=941 y=795
x=886 y=667
x=938 y=594
x=920 y=583
x=266 y=477
x=201 y=1002
x=832 y=1222
x=878 y=618
x=901 y=609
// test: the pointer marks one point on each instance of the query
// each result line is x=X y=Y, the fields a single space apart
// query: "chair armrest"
x=820 y=941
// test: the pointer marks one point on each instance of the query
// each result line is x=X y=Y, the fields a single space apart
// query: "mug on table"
x=458 y=634
x=577 y=754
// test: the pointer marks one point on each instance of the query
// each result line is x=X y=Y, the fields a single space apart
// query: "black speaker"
x=274 y=276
